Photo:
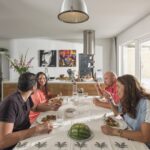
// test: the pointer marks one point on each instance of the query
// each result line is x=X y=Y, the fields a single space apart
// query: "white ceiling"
x=38 y=18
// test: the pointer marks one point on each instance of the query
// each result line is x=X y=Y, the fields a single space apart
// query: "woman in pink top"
x=41 y=97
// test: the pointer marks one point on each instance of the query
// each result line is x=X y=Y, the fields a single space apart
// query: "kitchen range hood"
x=86 y=60
x=89 y=42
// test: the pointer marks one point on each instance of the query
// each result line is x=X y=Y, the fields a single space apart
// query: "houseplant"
x=20 y=65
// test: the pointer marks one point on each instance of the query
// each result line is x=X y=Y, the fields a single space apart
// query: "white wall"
x=106 y=46
x=20 y=46
x=98 y=57
x=4 y=43
x=137 y=31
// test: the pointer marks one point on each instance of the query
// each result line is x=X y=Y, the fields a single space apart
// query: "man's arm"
x=97 y=102
x=9 y=138
x=99 y=89
x=109 y=99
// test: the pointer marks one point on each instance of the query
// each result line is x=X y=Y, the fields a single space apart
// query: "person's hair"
x=26 y=81
x=113 y=74
x=46 y=84
x=133 y=92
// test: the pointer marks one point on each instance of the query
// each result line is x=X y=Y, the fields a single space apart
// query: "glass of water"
x=85 y=94
x=60 y=116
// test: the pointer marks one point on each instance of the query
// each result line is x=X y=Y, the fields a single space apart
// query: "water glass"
x=60 y=116
x=85 y=94
x=65 y=100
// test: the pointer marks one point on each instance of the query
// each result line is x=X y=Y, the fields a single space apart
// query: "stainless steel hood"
x=89 y=42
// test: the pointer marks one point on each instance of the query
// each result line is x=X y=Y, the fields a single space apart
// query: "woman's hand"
x=55 y=103
x=55 y=106
x=109 y=131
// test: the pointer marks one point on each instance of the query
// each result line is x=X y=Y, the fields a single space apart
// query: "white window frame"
x=137 y=60
x=121 y=59
x=138 y=43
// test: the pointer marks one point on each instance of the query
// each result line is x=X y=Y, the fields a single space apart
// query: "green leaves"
x=20 y=65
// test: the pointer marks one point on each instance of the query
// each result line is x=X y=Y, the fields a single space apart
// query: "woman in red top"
x=41 y=97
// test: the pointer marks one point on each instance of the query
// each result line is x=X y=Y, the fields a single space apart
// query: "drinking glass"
x=60 y=116
x=65 y=100
x=85 y=94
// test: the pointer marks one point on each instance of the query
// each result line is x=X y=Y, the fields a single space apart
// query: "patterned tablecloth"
x=91 y=115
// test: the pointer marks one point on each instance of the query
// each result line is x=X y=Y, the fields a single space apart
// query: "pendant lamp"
x=73 y=11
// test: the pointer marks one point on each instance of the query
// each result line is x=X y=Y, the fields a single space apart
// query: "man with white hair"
x=110 y=79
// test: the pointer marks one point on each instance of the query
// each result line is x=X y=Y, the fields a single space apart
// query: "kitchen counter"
x=55 y=86
x=58 y=81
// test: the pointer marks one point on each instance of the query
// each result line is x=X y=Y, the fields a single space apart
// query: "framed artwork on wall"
x=67 y=58
x=47 y=58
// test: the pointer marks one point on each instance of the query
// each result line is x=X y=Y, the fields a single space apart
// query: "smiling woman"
x=134 y=107
x=41 y=96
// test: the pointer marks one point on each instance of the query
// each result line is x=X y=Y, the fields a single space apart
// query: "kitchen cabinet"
x=65 y=87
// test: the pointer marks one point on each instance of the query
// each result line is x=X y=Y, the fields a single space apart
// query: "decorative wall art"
x=67 y=58
x=47 y=58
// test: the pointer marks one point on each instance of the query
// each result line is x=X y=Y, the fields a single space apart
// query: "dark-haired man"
x=14 y=114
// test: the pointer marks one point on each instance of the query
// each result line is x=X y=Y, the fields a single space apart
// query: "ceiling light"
x=73 y=11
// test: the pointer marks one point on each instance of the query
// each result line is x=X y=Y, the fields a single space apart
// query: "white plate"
x=122 y=124
x=39 y=119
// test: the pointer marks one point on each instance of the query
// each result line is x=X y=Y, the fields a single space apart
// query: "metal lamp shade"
x=73 y=11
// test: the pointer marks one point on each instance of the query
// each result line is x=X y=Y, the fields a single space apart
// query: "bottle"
x=46 y=72
x=99 y=75
x=74 y=89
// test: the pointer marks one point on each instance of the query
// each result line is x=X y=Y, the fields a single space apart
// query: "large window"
x=127 y=58
x=134 y=58
x=145 y=63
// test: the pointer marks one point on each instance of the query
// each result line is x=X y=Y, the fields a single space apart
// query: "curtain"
x=113 y=56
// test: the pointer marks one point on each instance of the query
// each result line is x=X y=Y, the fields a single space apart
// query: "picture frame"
x=67 y=58
x=47 y=58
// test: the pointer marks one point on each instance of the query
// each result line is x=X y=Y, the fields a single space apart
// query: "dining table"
x=85 y=112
